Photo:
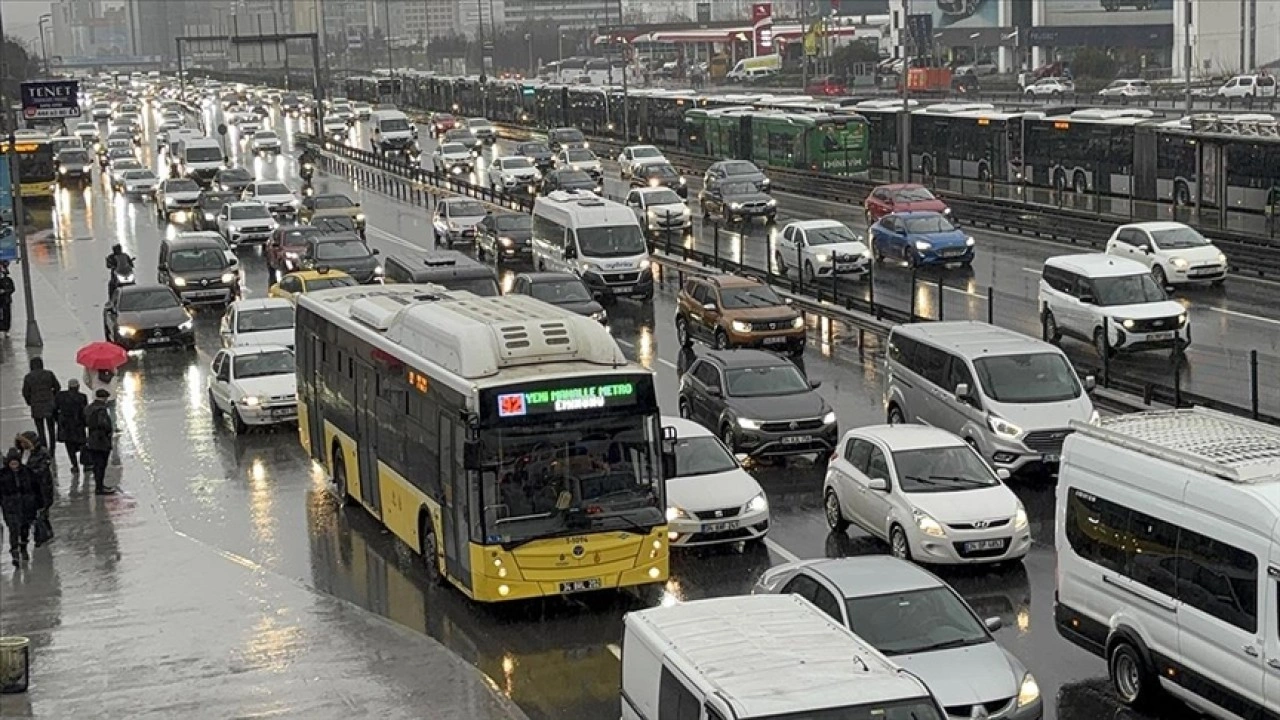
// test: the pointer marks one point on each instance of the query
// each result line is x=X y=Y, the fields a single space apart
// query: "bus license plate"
x=1160 y=336
x=980 y=545
x=797 y=439
x=623 y=289
x=574 y=586
x=721 y=526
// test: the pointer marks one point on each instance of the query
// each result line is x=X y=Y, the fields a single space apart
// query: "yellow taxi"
x=307 y=280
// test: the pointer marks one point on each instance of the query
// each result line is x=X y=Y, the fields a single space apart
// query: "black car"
x=539 y=153
x=660 y=175
x=233 y=180
x=198 y=269
x=505 y=237
x=758 y=404
x=570 y=180
x=75 y=167
x=449 y=268
x=737 y=201
x=465 y=137
x=345 y=252
x=735 y=171
x=208 y=207
x=561 y=138
x=564 y=290
x=145 y=316
x=334 y=225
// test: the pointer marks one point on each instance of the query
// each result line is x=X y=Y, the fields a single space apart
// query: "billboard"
x=960 y=13
x=8 y=240
x=1087 y=13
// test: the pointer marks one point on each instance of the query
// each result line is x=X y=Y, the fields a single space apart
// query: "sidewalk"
x=129 y=618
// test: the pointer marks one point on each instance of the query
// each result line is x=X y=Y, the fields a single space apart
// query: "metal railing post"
x=1106 y=351
x=800 y=265
x=991 y=305
x=913 y=294
x=1177 y=378
x=871 y=289
x=941 y=288
x=1253 y=383
x=715 y=244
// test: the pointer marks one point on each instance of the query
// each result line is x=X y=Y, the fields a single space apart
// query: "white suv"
x=1175 y=253
x=1051 y=87
x=1081 y=295
x=508 y=173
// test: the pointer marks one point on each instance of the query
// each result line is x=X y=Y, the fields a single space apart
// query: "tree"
x=1093 y=63
x=18 y=67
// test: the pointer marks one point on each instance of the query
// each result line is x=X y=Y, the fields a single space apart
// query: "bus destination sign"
x=564 y=400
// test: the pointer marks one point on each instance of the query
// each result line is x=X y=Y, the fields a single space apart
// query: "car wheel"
x=1157 y=274
x=238 y=422
x=1100 y=344
x=682 y=332
x=780 y=262
x=898 y=545
x=895 y=416
x=722 y=339
x=808 y=271
x=1131 y=677
x=835 y=515
x=214 y=410
x=1051 y=332
x=686 y=411
x=729 y=438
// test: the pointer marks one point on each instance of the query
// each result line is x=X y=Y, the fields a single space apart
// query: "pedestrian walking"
x=39 y=388
x=101 y=436
x=95 y=380
x=7 y=289
x=20 y=503
x=72 y=431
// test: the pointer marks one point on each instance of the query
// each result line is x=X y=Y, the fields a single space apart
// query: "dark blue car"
x=920 y=238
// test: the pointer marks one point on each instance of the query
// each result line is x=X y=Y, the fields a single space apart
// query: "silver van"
x=1009 y=395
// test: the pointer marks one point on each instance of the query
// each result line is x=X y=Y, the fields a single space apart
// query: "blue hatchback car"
x=921 y=238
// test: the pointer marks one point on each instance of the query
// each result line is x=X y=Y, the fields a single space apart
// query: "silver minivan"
x=1009 y=395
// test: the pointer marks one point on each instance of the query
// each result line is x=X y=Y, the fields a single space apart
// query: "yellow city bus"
x=39 y=172
x=509 y=442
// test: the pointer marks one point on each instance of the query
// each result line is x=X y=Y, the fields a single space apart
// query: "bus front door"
x=367 y=432
x=453 y=477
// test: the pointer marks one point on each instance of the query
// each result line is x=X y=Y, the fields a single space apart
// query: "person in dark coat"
x=101 y=435
x=72 y=431
x=20 y=501
x=7 y=289
x=39 y=461
x=39 y=388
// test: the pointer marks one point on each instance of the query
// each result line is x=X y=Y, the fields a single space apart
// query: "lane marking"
x=777 y=548
x=669 y=364
x=384 y=235
x=962 y=291
x=1033 y=271
x=1247 y=316
x=615 y=650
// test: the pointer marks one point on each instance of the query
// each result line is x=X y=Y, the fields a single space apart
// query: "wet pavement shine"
x=226 y=578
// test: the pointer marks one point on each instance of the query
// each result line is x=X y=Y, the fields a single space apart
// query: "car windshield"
x=928 y=224
x=754 y=296
x=830 y=235
x=461 y=135
x=443 y=118
x=261 y=320
x=77 y=157
x=250 y=212
x=235 y=175
x=740 y=168
x=1036 y=378
x=126 y=162
x=664 y=197
x=154 y=299
x=646 y=152
x=265 y=135
x=513 y=222
x=764 y=381
x=1119 y=84
x=333 y=202
x=534 y=149
x=1127 y=290
x=580 y=155
x=454 y=149
x=479 y=123
x=465 y=208
x=914 y=709
x=558 y=292
x=702 y=455
x=324 y=283
x=333 y=225
x=662 y=171
x=394 y=125
x=567 y=135
x=203 y=154
x=341 y=250
x=1178 y=238
x=87 y=128
x=575 y=177
x=273 y=189
x=216 y=200
x=177 y=186
x=611 y=241
x=915 y=621
x=298 y=235
x=516 y=163
x=265 y=364
x=910 y=195
x=942 y=469
x=139 y=175
x=196 y=259
x=737 y=188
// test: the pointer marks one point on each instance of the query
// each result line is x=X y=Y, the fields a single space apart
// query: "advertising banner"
x=1100 y=13
x=762 y=28
x=8 y=240
x=960 y=13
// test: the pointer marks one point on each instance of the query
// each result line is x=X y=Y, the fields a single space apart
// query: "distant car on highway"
x=464 y=137
x=660 y=209
x=515 y=172
x=440 y=123
x=737 y=200
x=176 y=195
x=234 y=179
x=332 y=205
x=453 y=158
x=1249 y=87
x=920 y=238
x=538 y=153
x=735 y=171
x=75 y=167
x=1134 y=88
x=730 y=311
x=241 y=222
x=207 y=209
x=822 y=248
x=456 y=220
x=265 y=142
x=140 y=183
x=285 y=247
x=634 y=156
x=826 y=86
x=344 y=252
x=1177 y=254
x=1054 y=87
x=906 y=197
x=566 y=138
x=277 y=196
x=660 y=175
x=580 y=159
x=568 y=179
x=483 y=129
x=505 y=237
x=295 y=283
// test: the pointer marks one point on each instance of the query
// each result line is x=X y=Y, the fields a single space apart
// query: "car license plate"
x=980 y=545
x=797 y=439
x=623 y=289
x=952 y=265
x=721 y=526
x=774 y=340
x=283 y=412
x=1160 y=336
x=574 y=586
x=156 y=340
x=1051 y=458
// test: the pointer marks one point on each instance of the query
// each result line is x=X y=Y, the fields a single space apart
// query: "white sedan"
x=275 y=195
x=264 y=142
x=634 y=156
x=925 y=492
x=821 y=248
x=660 y=209
x=452 y=158
x=258 y=321
x=1177 y=254
x=253 y=385
x=138 y=183
x=711 y=499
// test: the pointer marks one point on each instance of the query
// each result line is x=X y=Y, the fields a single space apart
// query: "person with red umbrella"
x=101 y=362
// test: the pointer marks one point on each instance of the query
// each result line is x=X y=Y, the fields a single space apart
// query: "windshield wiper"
x=922 y=481
x=640 y=529
x=958 y=479
x=948 y=645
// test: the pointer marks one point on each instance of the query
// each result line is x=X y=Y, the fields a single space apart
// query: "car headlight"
x=676 y=513
x=928 y=525
x=1020 y=521
x=946 y=211
x=378 y=270
x=250 y=401
x=1128 y=324
x=1222 y=258
x=740 y=326
x=683 y=181
x=765 y=182
x=923 y=246
x=186 y=325
x=759 y=503
x=829 y=418
x=208 y=217
x=359 y=217
x=1029 y=692
x=797 y=323
x=736 y=206
x=1094 y=418
x=822 y=257
x=62 y=169
x=746 y=424
x=505 y=242
x=969 y=241
x=228 y=277
x=600 y=316
x=180 y=282
x=1182 y=319
x=1180 y=263
x=1000 y=426
x=772 y=202
x=127 y=331
x=645 y=264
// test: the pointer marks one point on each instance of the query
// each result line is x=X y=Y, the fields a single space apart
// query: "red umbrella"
x=102 y=356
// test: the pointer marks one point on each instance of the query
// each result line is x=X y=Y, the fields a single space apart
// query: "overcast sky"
x=22 y=18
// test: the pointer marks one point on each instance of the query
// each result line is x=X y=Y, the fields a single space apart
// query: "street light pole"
x=386 y=36
x=15 y=180
x=905 y=124
x=44 y=49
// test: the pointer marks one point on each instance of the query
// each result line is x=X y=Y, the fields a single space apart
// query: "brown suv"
x=728 y=311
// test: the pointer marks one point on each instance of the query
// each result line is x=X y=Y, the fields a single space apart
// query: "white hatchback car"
x=259 y=321
x=1050 y=87
x=1177 y=254
x=711 y=499
x=633 y=156
x=820 y=248
x=254 y=385
x=927 y=493
x=660 y=209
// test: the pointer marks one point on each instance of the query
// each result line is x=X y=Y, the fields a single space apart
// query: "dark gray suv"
x=759 y=404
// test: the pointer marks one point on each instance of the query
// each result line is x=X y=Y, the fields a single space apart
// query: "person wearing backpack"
x=101 y=436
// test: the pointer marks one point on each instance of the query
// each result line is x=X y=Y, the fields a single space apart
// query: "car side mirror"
x=878 y=484
x=815 y=384
x=1090 y=383
x=963 y=391
x=1086 y=299
x=376 y=251
x=993 y=623
x=162 y=267
x=1003 y=474
x=570 y=252
x=709 y=307
x=1146 y=249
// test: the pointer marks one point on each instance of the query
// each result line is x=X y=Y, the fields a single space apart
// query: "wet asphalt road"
x=257 y=497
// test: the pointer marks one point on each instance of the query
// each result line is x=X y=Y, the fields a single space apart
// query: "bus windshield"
x=569 y=476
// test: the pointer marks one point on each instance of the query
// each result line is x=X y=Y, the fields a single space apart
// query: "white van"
x=759 y=656
x=200 y=159
x=600 y=240
x=1168 y=557
x=391 y=130
x=1249 y=86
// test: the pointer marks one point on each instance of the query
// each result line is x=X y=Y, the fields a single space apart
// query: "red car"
x=910 y=197
x=442 y=123
x=826 y=86
x=286 y=247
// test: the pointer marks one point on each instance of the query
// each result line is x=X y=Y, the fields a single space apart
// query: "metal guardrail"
x=865 y=317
